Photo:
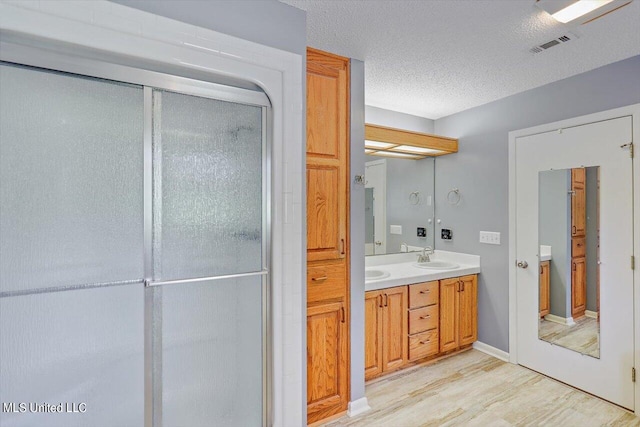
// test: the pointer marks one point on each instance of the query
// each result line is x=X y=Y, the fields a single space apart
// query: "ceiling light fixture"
x=579 y=11
x=391 y=142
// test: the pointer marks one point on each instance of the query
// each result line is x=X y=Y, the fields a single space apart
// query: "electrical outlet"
x=490 y=237
x=446 y=234
x=395 y=229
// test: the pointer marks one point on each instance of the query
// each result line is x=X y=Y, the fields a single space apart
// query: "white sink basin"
x=375 y=275
x=437 y=265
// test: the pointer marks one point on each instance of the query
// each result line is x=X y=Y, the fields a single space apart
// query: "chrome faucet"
x=426 y=251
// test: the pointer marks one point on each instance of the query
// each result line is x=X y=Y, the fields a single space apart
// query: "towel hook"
x=453 y=196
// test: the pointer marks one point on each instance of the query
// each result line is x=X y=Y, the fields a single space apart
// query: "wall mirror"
x=569 y=268
x=399 y=204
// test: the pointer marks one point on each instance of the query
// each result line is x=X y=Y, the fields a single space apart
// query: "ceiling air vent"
x=552 y=43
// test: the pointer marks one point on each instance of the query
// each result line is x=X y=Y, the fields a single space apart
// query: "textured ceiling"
x=437 y=57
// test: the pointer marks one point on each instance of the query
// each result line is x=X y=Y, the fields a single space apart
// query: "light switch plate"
x=395 y=229
x=490 y=237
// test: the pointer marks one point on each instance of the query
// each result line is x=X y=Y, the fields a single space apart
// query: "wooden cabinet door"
x=578 y=203
x=394 y=328
x=326 y=360
x=468 y=309
x=544 y=288
x=325 y=213
x=578 y=287
x=449 y=314
x=327 y=155
x=372 y=334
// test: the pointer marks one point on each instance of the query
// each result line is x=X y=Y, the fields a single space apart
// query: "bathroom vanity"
x=415 y=312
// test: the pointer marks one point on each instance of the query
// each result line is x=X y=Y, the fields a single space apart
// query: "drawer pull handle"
x=425 y=317
x=425 y=292
x=319 y=279
x=425 y=342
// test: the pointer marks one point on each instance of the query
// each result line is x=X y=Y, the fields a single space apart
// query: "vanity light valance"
x=405 y=144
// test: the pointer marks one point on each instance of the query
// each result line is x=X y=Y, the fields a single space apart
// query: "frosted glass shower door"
x=209 y=260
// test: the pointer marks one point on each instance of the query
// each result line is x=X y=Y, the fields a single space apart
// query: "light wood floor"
x=582 y=337
x=474 y=389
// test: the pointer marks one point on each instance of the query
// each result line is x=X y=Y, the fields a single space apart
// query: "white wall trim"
x=117 y=29
x=634 y=112
x=491 y=351
x=559 y=319
x=591 y=314
x=358 y=407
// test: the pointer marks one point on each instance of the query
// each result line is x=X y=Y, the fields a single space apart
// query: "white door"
x=376 y=178
x=595 y=144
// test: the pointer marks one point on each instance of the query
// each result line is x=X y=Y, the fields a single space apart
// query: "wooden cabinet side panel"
x=544 y=288
x=578 y=203
x=372 y=334
x=468 y=306
x=394 y=328
x=448 y=314
x=578 y=287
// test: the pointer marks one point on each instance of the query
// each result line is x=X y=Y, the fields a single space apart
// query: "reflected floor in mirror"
x=582 y=337
x=473 y=388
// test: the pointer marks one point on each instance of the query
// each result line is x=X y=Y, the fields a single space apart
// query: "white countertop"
x=402 y=271
x=545 y=253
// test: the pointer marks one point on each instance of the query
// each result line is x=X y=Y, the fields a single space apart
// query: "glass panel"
x=75 y=347
x=207 y=187
x=70 y=180
x=569 y=235
x=212 y=353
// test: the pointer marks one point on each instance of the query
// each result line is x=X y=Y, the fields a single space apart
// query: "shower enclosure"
x=134 y=246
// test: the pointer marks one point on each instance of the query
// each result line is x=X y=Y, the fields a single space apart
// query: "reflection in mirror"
x=398 y=202
x=568 y=236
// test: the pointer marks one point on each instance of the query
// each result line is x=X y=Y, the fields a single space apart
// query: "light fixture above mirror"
x=391 y=142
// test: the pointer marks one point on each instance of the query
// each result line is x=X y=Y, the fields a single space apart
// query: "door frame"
x=631 y=110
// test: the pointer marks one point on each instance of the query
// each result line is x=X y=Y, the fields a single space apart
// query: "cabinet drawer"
x=423 y=294
x=423 y=344
x=578 y=247
x=326 y=282
x=423 y=319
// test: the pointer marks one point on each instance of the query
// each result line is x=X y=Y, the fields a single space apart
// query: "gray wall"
x=554 y=230
x=357 y=230
x=592 y=237
x=404 y=177
x=267 y=22
x=480 y=170
x=394 y=119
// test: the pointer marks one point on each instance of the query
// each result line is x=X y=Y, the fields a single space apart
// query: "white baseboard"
x=591 y=314
x=358 y=407
x=491 y=351
x=561 y=320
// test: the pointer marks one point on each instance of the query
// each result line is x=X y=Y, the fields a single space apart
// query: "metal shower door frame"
x=15 y=50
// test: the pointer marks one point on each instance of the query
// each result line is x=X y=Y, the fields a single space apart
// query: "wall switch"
x=422 y=232
x=490 y=237
x=395 y=229
x=446 y=234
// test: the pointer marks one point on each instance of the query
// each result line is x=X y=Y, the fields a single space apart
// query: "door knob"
x=522 y=264
x=378 y=243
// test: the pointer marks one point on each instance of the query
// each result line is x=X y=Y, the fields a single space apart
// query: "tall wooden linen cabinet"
x=328 y=314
